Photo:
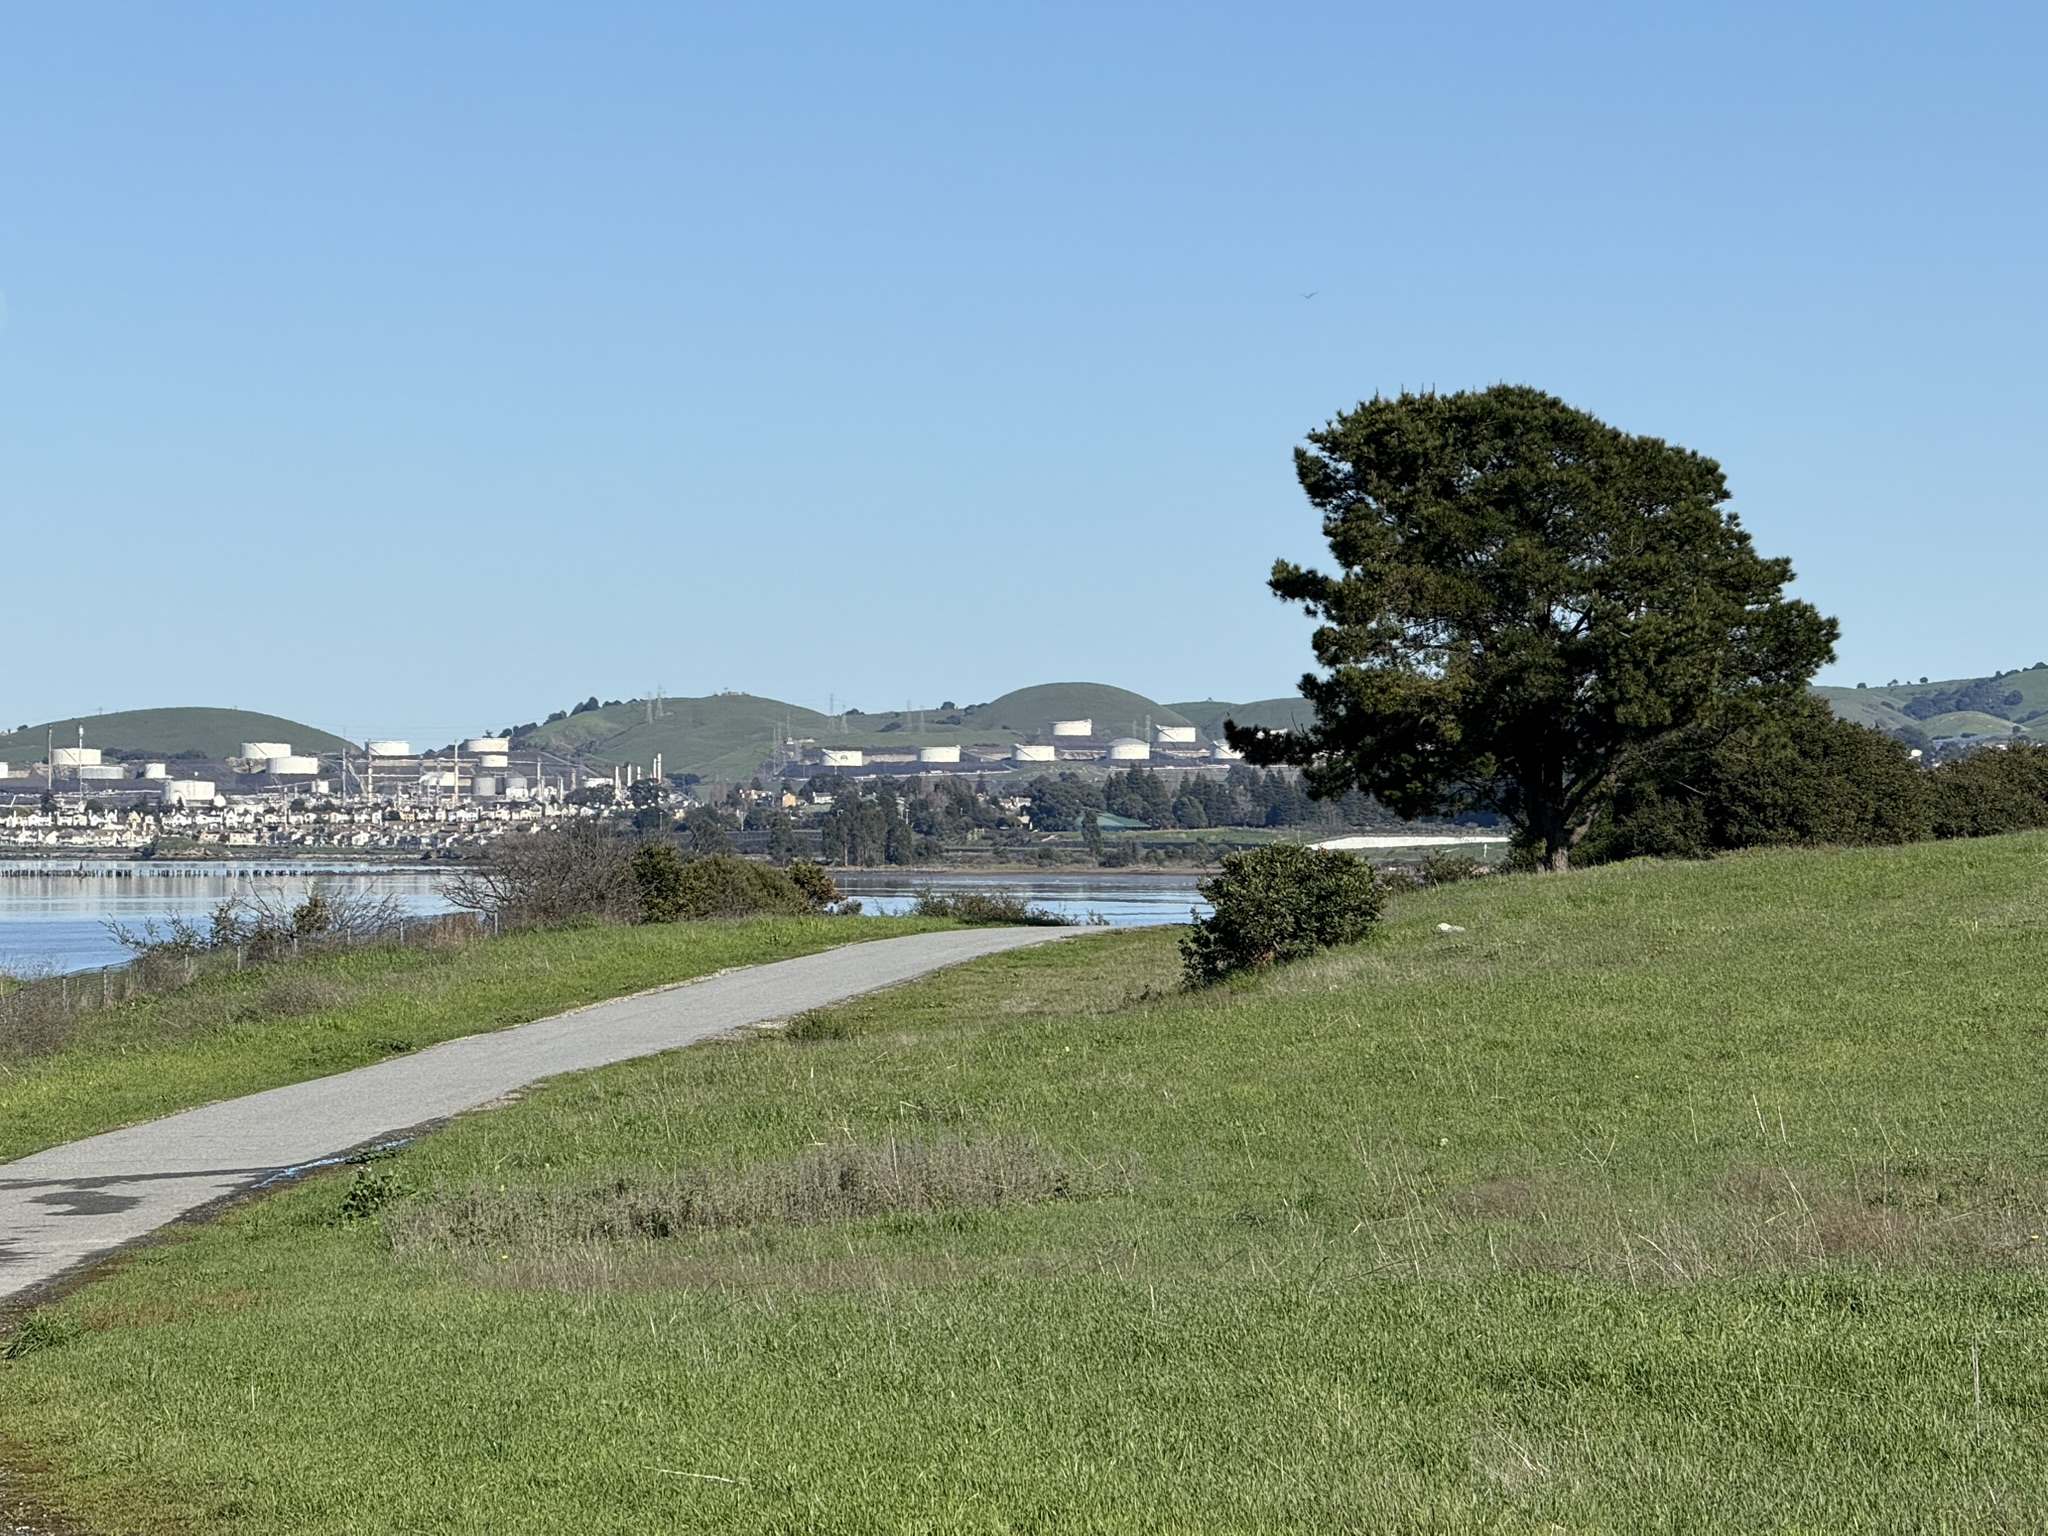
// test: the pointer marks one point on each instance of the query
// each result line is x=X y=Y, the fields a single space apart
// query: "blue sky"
x=417 y=369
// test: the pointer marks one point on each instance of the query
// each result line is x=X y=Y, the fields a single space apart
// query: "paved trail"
x=76 y=1203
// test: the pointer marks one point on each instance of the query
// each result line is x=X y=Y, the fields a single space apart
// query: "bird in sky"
x=1311 y=295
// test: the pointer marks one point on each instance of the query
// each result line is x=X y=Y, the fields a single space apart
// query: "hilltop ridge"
x=728 y=735
x=177 y=732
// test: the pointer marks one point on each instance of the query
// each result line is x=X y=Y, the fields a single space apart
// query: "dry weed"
x=843 y=1182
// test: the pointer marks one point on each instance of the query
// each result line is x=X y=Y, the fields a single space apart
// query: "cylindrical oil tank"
x=493 y=760
x=91 y=773
x=75 y=757
x=287 y=765
x=1128 y=749
x=1073 y=727
x=1030 y=752
x=479 y=746
x=1177 y=735
x=155 y=771
x=263 y=751
x=484 y=785
x=388 y=748
x=938 y=754
x=515 y=786
x=843 y=757
x=188 y=791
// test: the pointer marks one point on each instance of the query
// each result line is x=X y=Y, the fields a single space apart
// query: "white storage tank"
x=100 y=772
x=1028 y=752
x=938 y=754
x=1177 y=735
x=1223 y=752
x=5 y=771
x=1128 y=749
x=388 y=748
x=493 y=760
x=155 y=771
x=286 y=765
x=484 y=785
x=1073 y=727
x=443 y=779
x=264 y=751
x=76 y=757
x=515 y=787
x=188 y=791
x=487 y=746
x=843 y=757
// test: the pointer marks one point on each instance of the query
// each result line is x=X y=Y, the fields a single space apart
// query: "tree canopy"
x=1525 y=596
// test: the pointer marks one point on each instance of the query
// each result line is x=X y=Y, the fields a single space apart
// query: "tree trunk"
x=1557 y=856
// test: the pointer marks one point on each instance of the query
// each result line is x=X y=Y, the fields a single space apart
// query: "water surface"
x=1122 y=901
x=54 y=912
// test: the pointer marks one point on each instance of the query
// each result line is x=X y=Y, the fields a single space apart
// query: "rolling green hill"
x=721 y=736
x=168 y=733
x=1031 y=711
x=726 y=735
x=1950 y=707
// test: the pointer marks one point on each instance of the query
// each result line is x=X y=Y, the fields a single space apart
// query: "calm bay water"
x=54 y=913
x=1122 y=901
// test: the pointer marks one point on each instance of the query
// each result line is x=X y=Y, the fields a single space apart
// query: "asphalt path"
x=74 y=1204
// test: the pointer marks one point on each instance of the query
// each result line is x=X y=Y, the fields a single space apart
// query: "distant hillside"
x=723 y=736
x=168 y=733
x=1031 y=711
x=1923 y=711
x=1274 y=714
x=726 y=735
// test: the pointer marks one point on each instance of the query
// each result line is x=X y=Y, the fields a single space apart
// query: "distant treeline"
x=1243 y=797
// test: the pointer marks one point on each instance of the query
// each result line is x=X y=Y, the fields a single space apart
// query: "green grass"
x=1677 y=1198
x=290 y=1021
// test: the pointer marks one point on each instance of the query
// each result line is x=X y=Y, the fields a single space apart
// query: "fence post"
x=103 y=986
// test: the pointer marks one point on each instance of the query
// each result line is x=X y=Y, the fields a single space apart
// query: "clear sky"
x=417 y=369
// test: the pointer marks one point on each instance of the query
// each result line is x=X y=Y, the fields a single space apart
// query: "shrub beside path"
x=71 y=1205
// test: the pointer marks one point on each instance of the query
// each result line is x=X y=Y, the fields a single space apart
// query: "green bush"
x=658 y=877
x=674 y=889
x=1990 y=791
x=1279 y=903
x=814 y=882
x=986 y=907
x=1798 y=775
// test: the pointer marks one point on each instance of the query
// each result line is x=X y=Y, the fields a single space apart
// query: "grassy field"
x=288 y=1021
x=1675 y=1198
